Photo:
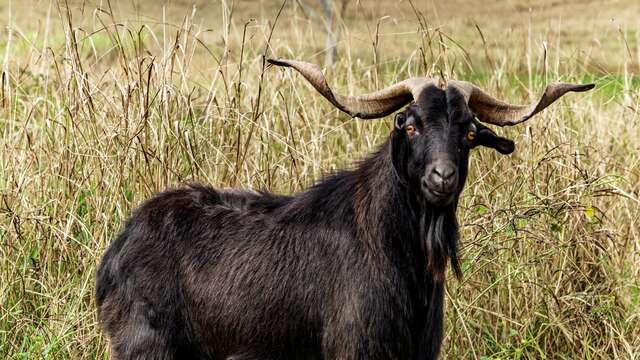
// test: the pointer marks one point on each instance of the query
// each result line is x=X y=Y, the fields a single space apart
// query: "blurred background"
x=104 y=103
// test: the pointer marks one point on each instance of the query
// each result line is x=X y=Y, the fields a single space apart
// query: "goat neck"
x=390 y=216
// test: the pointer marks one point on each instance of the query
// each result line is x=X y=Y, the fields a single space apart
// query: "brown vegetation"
x=103 y=104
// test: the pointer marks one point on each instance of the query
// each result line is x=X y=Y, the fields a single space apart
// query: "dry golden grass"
x=103 y=104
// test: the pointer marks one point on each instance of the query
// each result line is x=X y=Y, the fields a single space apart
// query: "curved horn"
x=493 y=111
x=369 y=106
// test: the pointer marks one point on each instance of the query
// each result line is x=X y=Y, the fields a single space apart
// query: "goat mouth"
x=439 y=193
x=437 y=197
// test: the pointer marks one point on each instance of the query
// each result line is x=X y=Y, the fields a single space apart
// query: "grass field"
x=103 y=103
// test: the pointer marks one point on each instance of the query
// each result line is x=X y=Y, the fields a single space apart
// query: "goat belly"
x=255 y=296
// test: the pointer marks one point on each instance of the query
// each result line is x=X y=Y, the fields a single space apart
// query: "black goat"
x=351 y=268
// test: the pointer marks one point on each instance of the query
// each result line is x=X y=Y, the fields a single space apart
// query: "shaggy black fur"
x=351 y=268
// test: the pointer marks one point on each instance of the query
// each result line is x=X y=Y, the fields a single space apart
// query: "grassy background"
x=103 y=103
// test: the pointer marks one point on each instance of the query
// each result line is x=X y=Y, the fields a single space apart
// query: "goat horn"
x=493 y=111
x=369 y=106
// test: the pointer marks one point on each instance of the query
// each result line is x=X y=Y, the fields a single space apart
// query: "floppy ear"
x=400 y=147
x=486 y=137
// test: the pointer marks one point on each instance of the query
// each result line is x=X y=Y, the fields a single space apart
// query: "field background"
x=103 y=103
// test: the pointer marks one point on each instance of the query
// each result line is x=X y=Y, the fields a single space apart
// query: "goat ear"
x=400 y=152
x=486 y=137
x=399 y=120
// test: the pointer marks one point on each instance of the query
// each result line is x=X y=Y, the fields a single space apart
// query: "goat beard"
x=439 y=240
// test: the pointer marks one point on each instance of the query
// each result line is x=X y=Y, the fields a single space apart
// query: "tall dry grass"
x=99 y=111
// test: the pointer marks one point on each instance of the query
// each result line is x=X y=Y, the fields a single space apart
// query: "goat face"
x=431 y=141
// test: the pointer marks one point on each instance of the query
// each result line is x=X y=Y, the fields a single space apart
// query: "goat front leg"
x=369 y=333
x=430 y=339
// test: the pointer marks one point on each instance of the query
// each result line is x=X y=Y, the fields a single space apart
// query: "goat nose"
x=443 y=175
x=444 y=171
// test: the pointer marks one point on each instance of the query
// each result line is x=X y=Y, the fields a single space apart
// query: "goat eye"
x=471 y=135
x=411 y=130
